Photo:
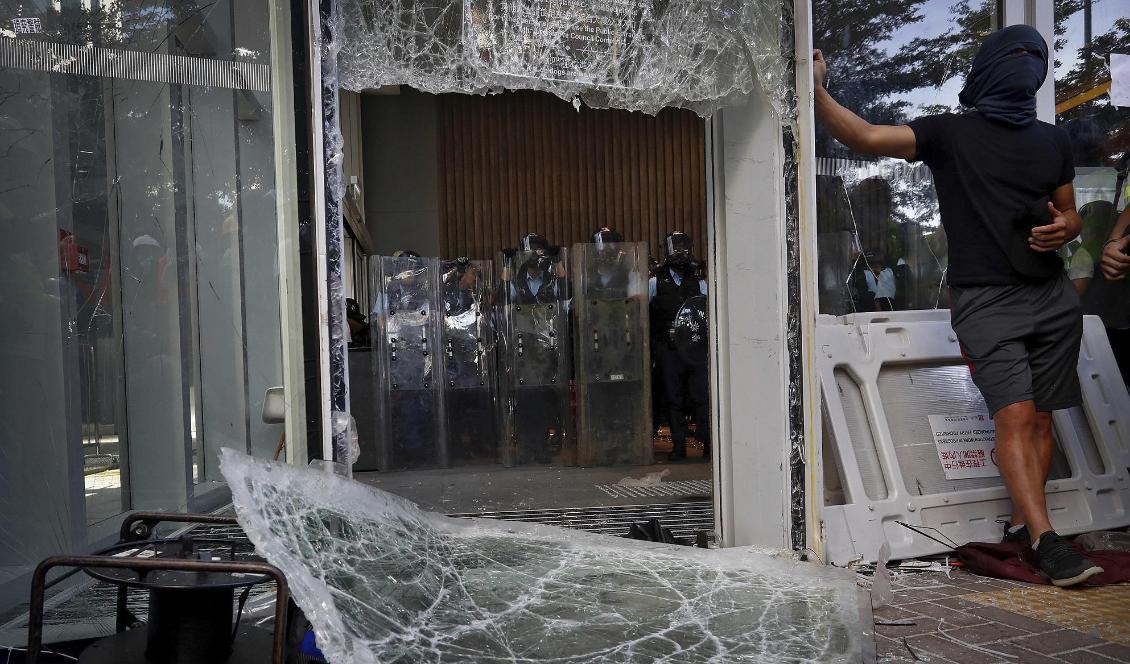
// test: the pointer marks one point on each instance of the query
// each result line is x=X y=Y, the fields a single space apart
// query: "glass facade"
x=881 y=245
x=139 y=311
x=1087 y=32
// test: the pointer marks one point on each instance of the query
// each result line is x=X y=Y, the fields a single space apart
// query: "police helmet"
x=606 y=236
x=533 y=242
x=677 y=243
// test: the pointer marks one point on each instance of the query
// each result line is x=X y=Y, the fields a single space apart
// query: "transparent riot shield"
x=535 y=358
x=613 y=362
x=467 y=345
x=405 y=327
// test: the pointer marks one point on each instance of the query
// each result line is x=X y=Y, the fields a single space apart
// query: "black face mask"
x=679 y=261
x=544 y=263
x=1003 y=80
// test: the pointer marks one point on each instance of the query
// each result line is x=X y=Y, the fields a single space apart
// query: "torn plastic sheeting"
x=632 y=54
x=382 y=580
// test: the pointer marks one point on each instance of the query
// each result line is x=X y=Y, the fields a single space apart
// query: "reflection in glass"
x=880 y=241
x=140 y=298
x=1087 y=32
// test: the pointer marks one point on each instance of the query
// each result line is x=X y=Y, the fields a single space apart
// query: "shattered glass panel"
x=632 y=54
x=383 y=581
x=881 y=246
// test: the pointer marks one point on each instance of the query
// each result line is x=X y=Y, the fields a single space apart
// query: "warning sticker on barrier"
x=966 y=445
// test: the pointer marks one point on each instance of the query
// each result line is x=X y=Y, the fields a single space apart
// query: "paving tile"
x=1020 y=655
x=1085 y=656
x=892 y=613
x=891 y=650
x=1099 y=610
x=980 y=634
x=915 y=595
x=957 y=603
x=1016 y=620
x=922 y=625
x=1116 y=651
x=933 y=645
x=953 y=618
x=951 y=590
x=1058 y=641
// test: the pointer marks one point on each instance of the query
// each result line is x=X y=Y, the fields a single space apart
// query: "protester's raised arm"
x=852 y=130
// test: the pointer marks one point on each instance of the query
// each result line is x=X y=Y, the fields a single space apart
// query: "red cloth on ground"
x=1017 y=561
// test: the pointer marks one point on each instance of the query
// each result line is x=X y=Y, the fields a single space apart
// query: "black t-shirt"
x=993 y=182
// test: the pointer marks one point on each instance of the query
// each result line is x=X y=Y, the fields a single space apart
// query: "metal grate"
x=684 y=488
x=684 y=519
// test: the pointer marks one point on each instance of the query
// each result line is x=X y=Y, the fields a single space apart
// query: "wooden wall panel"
x=527 y=162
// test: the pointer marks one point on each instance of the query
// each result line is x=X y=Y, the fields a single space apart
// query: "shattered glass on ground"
x=383 y=581
x=633 y=54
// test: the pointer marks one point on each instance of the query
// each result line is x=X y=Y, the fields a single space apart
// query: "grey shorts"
x=1021 y=342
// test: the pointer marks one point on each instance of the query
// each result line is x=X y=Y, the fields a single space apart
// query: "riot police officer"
x=677 y=304
x=467 y=343
x=540 y=277
x=535 y=353
x=611 y=352
x=614 y=275
x=405 y=327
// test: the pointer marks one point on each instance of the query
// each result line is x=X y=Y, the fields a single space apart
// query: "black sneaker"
x=1062 y=564
x=1011 y=537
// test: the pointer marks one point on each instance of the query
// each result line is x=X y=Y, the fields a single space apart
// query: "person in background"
x=881 y=282
x=1004 y=184
x=860 y=284
x=1115 y=266
x=541 y=278
x=685 y=380
x=358 y=324
x=1081 y=254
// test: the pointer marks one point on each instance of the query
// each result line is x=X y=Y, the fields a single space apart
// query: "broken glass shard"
x=383 y=581
x=632 y=54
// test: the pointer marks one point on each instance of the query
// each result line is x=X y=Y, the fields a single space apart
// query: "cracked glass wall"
x=139 y=311
x=1087 y=33
x=881 y=245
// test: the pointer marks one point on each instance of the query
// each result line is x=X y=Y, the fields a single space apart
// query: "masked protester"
x=1004 y=185
x=677 y=304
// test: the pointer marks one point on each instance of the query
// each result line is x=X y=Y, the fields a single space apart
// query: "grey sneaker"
x=1062 y=564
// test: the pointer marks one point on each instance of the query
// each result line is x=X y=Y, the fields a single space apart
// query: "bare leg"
x=1044 y=444
x=1024 y=449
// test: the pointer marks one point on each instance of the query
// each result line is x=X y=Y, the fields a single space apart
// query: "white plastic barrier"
x=883 y=375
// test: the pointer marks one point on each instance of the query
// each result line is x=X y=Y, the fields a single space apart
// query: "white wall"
x=750 y=372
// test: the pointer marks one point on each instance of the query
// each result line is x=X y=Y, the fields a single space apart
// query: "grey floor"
x=493 y=488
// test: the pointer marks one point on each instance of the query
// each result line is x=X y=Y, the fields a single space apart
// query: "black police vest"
x=616 y=288
x=669 y=296
x=545 y=295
